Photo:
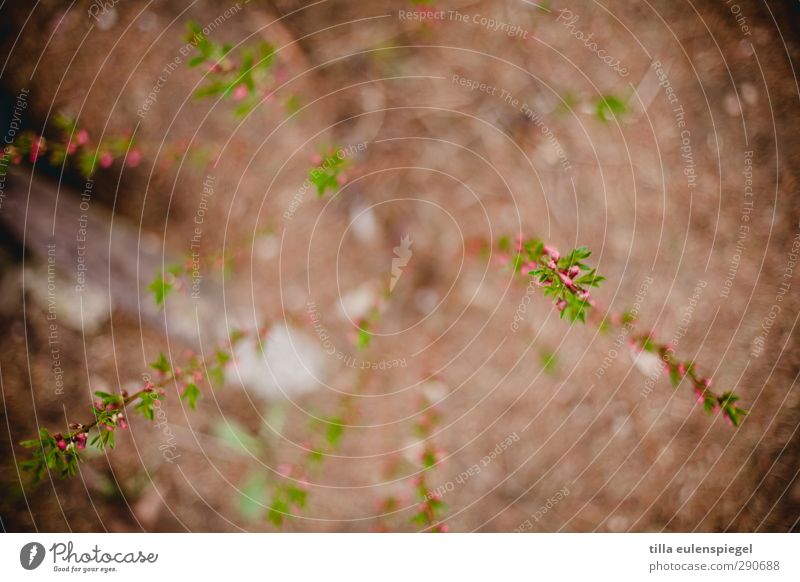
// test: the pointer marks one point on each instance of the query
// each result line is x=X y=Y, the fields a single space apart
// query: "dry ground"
x=446 y=165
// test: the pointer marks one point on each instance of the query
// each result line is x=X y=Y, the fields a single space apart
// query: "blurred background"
x=663 y=136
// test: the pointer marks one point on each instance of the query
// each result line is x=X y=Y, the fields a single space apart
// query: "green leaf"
x=145 y=405
x=191 y=394
x=237 y=438
x=277 y=511
x=609 y=107
x=162 y=364
x=334 y=432
x=253 y=497
x=674 y=376
x=549 y=361
x=160 y=289
x=87 y=162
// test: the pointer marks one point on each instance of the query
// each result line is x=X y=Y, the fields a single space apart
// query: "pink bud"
x=341 y=179
x=121 y=422
x=566 y=280
x=682 y=369
x=62 y=444
x=316 y=159
x=552 y=252
x=501 y=259
x=561 y=304
x=284 y=469
x=106 y=159
x=240 y=92
x=574 y=270
x=37 y=147
x=82 y=137
x=134 y=158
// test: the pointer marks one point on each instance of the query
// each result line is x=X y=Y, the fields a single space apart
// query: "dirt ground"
x=477 y=124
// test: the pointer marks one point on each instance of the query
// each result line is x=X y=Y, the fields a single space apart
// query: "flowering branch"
x=73 y=143
x=566 y=279
x=679 y=371
x=61 y=452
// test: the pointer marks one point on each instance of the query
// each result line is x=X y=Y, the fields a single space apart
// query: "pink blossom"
x=501 y=259
x=106 y=159
x=552 y=252
x=574 y=270
x=566 y=280
x=37 y=147
x=561 y=304
x=698 y=392
x=281 y=75
x=134 y=158
x=62 y=444
x=80 y=440
x=240 y=92
x=682 y=369
x=82 y=137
